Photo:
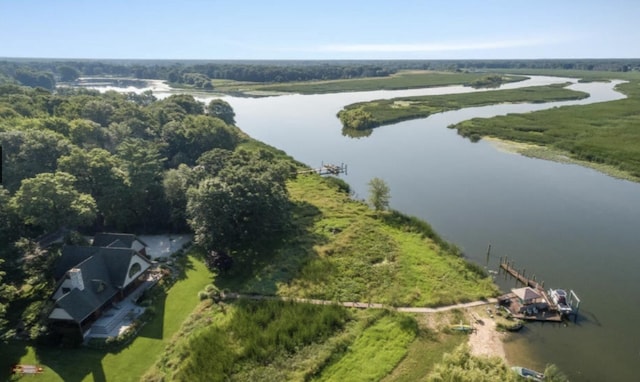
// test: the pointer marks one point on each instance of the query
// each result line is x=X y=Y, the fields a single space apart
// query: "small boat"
x=462 y=328
x=528 y=373
x=559 y=297
x=515 y=327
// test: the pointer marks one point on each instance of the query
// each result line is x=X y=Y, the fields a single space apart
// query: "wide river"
x=574 y=227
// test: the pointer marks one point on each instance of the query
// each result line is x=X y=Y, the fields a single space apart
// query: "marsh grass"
x=376 y=352
x=402 y=80
x=603 y=133
x=385 y=112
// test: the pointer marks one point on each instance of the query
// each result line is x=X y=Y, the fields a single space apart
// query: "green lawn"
x=130 y=363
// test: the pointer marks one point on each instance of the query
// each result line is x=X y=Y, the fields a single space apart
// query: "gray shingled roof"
x=81 y=303
x=104 y=271
x=104 y=239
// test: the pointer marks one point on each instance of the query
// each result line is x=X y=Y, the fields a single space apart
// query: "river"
x=574 y=227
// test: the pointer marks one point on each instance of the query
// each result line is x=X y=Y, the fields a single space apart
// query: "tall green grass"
x=402 y=80
x=257 y=333
x=605 y=132
x=385 y=112
x=376 y=352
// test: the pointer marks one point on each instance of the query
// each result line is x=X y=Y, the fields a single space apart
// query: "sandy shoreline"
x=486 y=340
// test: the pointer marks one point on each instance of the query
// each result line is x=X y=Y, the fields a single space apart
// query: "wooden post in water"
x=488 y=254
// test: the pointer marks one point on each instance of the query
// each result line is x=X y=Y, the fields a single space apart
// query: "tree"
x=8 y=221
x=221 y=109
x=50 y=201
x=101 y=175
x=176 y=183
x=357 y=119
x=246 y=200
x=68 y=74
x=190 y=138
x=379 y=194
x=144 y=198
x=30 y=152
x=7 y=293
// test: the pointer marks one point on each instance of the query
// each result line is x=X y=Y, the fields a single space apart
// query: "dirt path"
x=363 y=305
x=484 y=341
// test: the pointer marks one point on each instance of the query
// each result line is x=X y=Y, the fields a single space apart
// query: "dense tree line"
x=198 y=74
x=78 y=160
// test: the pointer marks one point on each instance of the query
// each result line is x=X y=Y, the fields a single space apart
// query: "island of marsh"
x=368 y=115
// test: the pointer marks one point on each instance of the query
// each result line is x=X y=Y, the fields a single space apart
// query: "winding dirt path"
x=363 y=305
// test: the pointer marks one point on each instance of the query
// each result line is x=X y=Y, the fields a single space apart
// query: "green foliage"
x=402 y=80
x=188 y=139
x=598 y=133
x=339 y=184
x=30 y=152
x=257 y=333
x=339 y=250
x=244 y=200
x=221 y=109
x=50 y=201
x=368 y=115
x=34 y=78
x=357 y=119
x=460 y=365
x=376 y=352
x=379 y=194
x=68 y=73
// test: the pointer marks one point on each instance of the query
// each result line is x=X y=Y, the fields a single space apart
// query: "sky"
x=321 y=29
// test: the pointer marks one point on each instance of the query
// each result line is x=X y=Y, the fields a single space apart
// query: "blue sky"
x=329 y=29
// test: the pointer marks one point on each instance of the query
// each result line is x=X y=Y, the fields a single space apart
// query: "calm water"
x=574 y=227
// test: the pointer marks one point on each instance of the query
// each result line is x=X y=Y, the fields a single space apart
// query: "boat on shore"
x=462 y=328
x=528 y=373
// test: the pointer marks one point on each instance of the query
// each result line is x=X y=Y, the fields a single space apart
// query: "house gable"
x=137 y=266
x=90 y=277
x=84 y=289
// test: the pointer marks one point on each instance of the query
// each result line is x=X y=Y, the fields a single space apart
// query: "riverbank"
x=555 y=155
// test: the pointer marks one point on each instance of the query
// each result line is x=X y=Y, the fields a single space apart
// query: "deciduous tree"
x=379 y=194
x=51 y=201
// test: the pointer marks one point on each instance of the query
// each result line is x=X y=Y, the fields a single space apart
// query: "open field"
x=402 y=80
x=385 y=112
x=130 y=363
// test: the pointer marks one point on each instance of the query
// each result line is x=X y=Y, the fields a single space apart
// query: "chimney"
x=75 y=274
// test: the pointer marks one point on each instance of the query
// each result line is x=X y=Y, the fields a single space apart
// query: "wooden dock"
x=520 y=275
x=546 y=311
x=327 y=169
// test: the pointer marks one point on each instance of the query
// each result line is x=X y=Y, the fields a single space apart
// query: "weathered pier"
x=533 y=302
x=327 y=169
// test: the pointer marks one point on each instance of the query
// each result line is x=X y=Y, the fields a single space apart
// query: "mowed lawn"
x=130 y=363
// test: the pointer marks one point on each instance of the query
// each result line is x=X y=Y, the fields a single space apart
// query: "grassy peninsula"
x=408 y=79
x=368 y=115
x=602 y=135
x=336 y=249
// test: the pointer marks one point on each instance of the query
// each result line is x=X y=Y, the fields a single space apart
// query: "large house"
x=91 y=279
